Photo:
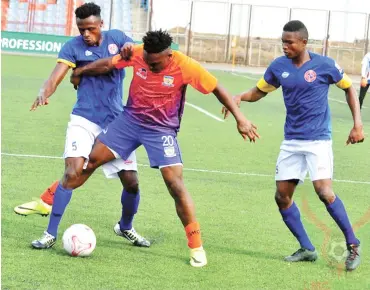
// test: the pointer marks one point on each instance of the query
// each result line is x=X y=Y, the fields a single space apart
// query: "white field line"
x=255 y=79
x=204 y=112
x=245 y=76
x=189 y=169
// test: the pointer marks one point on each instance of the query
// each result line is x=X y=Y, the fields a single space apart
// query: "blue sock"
x=130 y=204
x=292 y=218
x=62 y=197
x=339 y=214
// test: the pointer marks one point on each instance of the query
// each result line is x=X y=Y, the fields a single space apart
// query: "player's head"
x=295 y=37
x=157 y=50
x=89 y=23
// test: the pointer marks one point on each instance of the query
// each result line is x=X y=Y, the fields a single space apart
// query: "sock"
x=130 y=204
x=193 y=234
x=48 y=195
x=338 y=213
x=292 y=218
x=62 y=197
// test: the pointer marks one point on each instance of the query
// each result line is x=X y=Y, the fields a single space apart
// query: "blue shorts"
x=124 y=136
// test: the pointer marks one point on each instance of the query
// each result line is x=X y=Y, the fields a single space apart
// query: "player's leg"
x=164 y=153
x=185 y=209
x=130 y=200
x=79 y=140
x=292 y=219
x=120 y=137
x=291 y=168
x=337 y=211
x=363 y=91
x=73 y=177
x=320 y=166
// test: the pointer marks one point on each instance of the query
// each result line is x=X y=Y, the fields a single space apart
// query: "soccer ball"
x=79 y=240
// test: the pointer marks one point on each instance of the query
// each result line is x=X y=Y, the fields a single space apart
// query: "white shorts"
x=80 y=138
x=299 y=156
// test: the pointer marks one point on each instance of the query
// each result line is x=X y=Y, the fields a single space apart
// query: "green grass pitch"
x=230 y=180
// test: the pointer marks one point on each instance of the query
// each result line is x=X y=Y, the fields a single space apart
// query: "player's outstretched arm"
x=99 y=67
x=245 y=127
x=252 y=95
x=357 y=133
x=50 y=85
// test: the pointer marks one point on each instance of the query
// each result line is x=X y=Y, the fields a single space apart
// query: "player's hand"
x=75 y=79
x=237 y=99
x=41 y=100
x=356 y=135
x=127 y=50
x=363 y=82
x=247 y=129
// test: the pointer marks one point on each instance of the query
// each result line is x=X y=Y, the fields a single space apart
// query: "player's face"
x=158 y=61
x=293 y=44
x=90 y=29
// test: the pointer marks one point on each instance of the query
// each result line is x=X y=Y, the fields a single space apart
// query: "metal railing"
x=207 y=30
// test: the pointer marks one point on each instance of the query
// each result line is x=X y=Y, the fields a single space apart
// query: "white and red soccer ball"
x=79 y=240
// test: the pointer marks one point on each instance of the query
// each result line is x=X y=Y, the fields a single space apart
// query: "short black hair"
x=296 y=26
x=157 y=41
x=87 y=10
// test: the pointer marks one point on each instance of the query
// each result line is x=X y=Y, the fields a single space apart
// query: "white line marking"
x=204 y=112
x=245 y=76
x=342 y=102
x=188 y=169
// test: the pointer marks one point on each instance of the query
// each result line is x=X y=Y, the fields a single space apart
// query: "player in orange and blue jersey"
x=305 y=78
x=152 y=118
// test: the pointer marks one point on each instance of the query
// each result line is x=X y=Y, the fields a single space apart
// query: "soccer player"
x=152 y=118
x=305 y=78
x=365 y=77
x=99 y=101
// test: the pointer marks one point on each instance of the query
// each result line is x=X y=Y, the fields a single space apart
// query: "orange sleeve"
x=119 y=63
x=196 y=75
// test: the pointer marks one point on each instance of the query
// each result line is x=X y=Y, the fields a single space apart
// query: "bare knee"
x=325 y=194
x=174 y=182
x=284 y=192
x=283 y=200
x=71 y=177
x=129 y=181
x=175 y=186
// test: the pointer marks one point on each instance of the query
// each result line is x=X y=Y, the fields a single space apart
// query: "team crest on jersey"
x=141 y=72
x=310 y=76
x=112 y=48
x=168 y=81
x=285 y=75
x=88 y=53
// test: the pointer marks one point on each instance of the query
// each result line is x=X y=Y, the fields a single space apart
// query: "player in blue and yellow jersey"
x=99 y=101
x=305 y=78
x=153 y=115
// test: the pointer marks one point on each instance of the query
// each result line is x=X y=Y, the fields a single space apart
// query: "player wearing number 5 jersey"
x=99 y=101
